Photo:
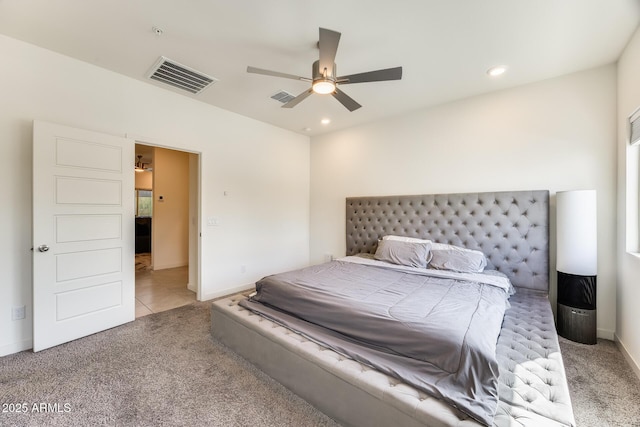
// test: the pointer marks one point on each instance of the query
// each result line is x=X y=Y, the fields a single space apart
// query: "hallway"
x=160 y=290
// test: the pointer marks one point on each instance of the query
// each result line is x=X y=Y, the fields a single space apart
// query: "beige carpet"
x=161 y=370
x=165 y=370
x=604 y=389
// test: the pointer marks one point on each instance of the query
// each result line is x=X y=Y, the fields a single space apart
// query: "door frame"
x=195 y=272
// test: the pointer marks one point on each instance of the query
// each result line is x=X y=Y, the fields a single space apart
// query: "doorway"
x=165 y=228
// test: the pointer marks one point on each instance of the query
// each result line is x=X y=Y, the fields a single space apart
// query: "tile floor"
x=161 y=290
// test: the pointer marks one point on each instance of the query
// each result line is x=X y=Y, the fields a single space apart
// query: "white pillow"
x=410 y=240
x=455 y=258
x=403 y=253
x=405 y=239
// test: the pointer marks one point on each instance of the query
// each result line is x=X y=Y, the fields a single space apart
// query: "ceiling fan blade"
x=255 y=70
x=328 y=46
x=346 y=100
x=372 y=76
x=298 y=99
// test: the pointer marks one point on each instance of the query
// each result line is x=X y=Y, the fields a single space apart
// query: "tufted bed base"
x=512 y=230
x=532 y=389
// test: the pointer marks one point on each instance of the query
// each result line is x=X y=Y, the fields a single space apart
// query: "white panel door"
x=83 y=233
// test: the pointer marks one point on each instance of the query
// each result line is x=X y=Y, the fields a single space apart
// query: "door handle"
x=43 y=248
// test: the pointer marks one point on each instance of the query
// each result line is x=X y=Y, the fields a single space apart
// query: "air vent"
x=282 y=96
x=172 y=73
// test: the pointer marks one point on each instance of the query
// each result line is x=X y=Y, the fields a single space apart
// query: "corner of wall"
x=632 y=362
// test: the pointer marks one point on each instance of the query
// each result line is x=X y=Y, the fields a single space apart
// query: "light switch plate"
x=18 y=313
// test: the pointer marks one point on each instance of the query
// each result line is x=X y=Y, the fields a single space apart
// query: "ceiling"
x=444 y=47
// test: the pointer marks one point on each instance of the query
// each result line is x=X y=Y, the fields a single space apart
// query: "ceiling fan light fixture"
x=324 y=87
x=139 y=166
x=325 y=79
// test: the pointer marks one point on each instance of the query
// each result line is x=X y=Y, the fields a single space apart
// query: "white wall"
x=170 y=228
x=628 y=296
x=265 y=171
x=556 y=135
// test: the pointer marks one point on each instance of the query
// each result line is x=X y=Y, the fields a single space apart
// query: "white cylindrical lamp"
x=577 y=264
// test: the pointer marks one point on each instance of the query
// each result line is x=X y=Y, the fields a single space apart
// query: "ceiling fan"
x=142 y=167
x=324 y=80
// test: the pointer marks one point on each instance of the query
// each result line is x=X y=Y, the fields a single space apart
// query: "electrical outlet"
x=18 y=313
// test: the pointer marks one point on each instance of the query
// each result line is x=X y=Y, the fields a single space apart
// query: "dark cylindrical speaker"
x=577 y=291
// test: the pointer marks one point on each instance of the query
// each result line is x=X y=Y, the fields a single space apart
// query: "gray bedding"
x=438 y=334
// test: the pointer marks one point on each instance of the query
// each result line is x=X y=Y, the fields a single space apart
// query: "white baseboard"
x=16 y=347
x=192 y=287
x=172 y=265
x=634 y=365
x=606 y=334
x=225 y=292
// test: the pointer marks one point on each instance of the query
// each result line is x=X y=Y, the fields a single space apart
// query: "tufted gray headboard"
x=510 y=228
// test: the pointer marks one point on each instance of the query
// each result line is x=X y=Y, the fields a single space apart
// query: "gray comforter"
x=437 y=334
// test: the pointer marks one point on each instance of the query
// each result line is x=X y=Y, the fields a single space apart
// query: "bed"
x=511 y=230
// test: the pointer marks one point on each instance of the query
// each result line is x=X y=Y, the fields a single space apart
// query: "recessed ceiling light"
x=325 y=121
x=497 y=70
x=307 y=129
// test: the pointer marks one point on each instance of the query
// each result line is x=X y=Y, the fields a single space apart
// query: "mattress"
x=434 y=329
x=532 y=384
